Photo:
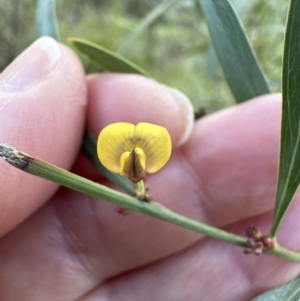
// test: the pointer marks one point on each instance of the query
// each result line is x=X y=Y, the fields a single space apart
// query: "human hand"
x=57 y=244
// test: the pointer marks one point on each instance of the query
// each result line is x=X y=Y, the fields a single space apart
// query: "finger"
x=233 y=156
x=133 y=98
x=76 y=263
x=210 y=270
x=42 y=101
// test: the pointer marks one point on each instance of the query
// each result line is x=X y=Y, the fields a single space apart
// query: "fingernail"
x=187 y=110
x=31 y=66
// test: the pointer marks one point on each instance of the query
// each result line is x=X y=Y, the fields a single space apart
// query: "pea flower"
x=134 y=150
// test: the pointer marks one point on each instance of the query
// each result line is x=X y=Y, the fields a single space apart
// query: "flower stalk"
x=141 y=188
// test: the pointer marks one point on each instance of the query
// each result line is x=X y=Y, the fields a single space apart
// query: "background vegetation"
x=170 y=50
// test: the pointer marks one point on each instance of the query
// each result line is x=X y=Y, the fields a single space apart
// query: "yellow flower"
x=133 y=151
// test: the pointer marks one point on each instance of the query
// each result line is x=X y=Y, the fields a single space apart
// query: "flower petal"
x=117 y=141
x=113 y=141
x=156 y=143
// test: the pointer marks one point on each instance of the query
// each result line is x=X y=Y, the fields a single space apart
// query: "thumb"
x=42 y=109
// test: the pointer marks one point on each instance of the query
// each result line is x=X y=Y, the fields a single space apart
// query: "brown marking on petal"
x=133 y=168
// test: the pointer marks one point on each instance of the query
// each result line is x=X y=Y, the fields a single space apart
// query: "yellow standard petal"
x=156 y=143
x=132 y=150
x=113 y=141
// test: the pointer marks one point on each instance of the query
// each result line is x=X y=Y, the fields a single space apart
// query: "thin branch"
x=65 y=178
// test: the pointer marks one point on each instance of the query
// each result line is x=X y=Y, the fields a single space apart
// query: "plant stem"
x=141 y=188
x=284 y=253
x=65 y=178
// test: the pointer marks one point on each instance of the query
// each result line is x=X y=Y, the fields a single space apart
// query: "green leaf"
x=289 y=164
x=239 y=63
x=89 y=149
x=105 y=59
x=287 y=292
x=149 y=19
x=46 y=19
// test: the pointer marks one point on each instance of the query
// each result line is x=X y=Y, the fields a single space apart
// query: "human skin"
x=57 y=244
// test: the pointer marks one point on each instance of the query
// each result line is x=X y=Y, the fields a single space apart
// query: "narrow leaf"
x=287 y=292
x=46 y=19
x=105 y=59
x=89 y=149
x=237 y=58
x=289 y=164
x=149 y=19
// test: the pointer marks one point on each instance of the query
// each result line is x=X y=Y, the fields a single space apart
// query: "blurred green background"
x=176 y=49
